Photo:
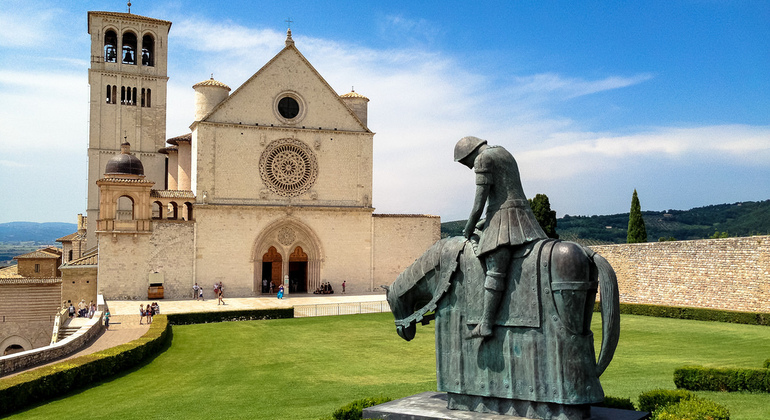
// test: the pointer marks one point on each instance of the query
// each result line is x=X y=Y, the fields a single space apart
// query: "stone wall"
x=25 y=359
x=27 y=311
x=730 y=273
x=78 y=283
x=127 y=260
x=399 y=240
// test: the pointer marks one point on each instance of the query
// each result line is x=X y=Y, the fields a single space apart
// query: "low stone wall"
x=730 y=273
x=18 y=361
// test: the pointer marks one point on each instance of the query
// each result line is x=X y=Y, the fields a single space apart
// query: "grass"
x=305 y=368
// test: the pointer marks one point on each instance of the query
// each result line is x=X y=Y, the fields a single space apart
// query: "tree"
x=544 y=215
x=637 y=232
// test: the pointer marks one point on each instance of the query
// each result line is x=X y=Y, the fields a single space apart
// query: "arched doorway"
x=298 y=271
x=13 y=348
x=272 y=263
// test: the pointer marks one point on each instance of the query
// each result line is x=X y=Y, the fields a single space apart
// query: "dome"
x=125 y=163
x=212 y=82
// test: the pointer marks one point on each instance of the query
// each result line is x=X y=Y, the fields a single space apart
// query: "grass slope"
x=305 y=368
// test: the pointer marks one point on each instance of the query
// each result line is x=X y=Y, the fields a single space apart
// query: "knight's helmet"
x=466 y=146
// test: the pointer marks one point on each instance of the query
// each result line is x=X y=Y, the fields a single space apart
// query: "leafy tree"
x=544 y=215
x=637 y=232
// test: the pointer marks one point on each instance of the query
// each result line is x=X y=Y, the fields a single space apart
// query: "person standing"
x=107 y=320
x=195 y=291
x=280 y=292
x=343 y=287
x=142 y=314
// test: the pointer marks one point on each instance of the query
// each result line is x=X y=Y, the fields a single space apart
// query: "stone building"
x=273 y=183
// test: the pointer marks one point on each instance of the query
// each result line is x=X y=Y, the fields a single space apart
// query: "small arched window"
x=129 y=48
x=125 y=208
x=109 y=94
x=133 y=96
x=148 y=50
x=114 y=93
x=122 y=94
x=143 y=96
x=110 y=47
x=149 y=98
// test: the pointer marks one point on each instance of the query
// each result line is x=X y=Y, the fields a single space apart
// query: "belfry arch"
x=300 y=256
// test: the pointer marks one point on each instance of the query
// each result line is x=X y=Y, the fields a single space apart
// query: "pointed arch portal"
x=287 y=252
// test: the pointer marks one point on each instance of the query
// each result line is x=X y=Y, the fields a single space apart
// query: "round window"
x=288 y=107
x=288 y=167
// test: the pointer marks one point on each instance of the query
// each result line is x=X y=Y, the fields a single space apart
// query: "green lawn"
x=305 y=368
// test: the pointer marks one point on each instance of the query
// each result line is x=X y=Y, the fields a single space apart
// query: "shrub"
x=698 y=314
x=221 y=316
x=693 y=409
x=699 y=378
x=52 y=381
x=615 y=402
x=767 y=364
x=354 y=410
x=659 y=398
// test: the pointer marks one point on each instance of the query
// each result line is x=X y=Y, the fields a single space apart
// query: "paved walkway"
x=131 y=307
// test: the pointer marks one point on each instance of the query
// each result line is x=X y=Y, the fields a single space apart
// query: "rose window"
x=288 y=167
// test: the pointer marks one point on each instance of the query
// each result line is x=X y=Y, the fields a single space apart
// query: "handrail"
x=58 y=322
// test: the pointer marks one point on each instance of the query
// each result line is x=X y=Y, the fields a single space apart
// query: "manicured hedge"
x=659 y=398
x=699 y=378
x=693 y=409
x=616 y=402
x=221 y=316
x=354 y=410
x=53 y=381
x=698 y=314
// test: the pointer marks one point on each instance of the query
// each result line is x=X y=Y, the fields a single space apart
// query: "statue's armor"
x=509 y=219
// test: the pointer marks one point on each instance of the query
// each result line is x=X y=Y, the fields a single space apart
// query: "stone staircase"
x=71 y=326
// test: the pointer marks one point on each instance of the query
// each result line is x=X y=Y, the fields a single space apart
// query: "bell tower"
x=127 y=77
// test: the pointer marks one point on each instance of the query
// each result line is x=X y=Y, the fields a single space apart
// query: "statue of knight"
x=509 y=221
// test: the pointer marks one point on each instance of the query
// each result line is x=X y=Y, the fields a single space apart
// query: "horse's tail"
x=610 y=307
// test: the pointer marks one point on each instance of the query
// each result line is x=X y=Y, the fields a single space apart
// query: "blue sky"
x=593 y=98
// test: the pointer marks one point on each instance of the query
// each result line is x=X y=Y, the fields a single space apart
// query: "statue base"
x=433 y=406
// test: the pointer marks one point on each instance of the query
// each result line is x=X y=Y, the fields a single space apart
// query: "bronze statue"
x=512 y=308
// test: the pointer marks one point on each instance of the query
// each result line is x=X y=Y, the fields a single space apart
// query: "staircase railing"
x=58 y=322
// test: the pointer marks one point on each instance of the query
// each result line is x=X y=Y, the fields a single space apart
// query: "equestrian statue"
x=512 y=307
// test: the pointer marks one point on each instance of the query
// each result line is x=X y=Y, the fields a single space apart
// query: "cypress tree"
x=546 y=217
x=637 y=232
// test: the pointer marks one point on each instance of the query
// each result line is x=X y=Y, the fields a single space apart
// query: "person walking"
x=343 y=287
x=280 y=292
x=142 y=314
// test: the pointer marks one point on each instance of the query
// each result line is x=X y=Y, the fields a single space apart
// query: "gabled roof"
x=77 y=236
x=40 y=253
x=290 y=48
x=84 y=261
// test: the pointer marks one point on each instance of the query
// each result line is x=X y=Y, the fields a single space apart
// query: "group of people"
x=325 y=289
x=148 y=312
x=219 y=292
x=83 y=310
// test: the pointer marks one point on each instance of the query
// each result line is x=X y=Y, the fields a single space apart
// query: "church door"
x=272 y=263
x=298 y=271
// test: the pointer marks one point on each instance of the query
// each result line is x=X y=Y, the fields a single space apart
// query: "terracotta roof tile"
x=25 y=280
x=87 y=260
x=212 y=82
x=37 y=254
x=175 y=140
x=10 y=272
x=353 y=94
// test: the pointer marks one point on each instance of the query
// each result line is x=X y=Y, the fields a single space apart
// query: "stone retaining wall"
x=730 y=273
x=71 y=344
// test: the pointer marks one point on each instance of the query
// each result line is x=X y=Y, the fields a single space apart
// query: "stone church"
x=274 y=181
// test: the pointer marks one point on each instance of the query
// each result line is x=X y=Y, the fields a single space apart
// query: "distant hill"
x=737 y=219
x=38 y=233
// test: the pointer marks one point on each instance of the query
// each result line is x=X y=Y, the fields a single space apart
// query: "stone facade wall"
x=127 y=260
x=85 y=334
x=48 y=268
x=730 y=274
x=78 y=283
x=27 y=311
x=398 y=241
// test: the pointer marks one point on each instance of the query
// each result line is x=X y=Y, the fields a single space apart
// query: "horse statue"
x=540 y=361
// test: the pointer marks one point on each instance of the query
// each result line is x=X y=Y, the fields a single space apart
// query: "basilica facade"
x=272 y=185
